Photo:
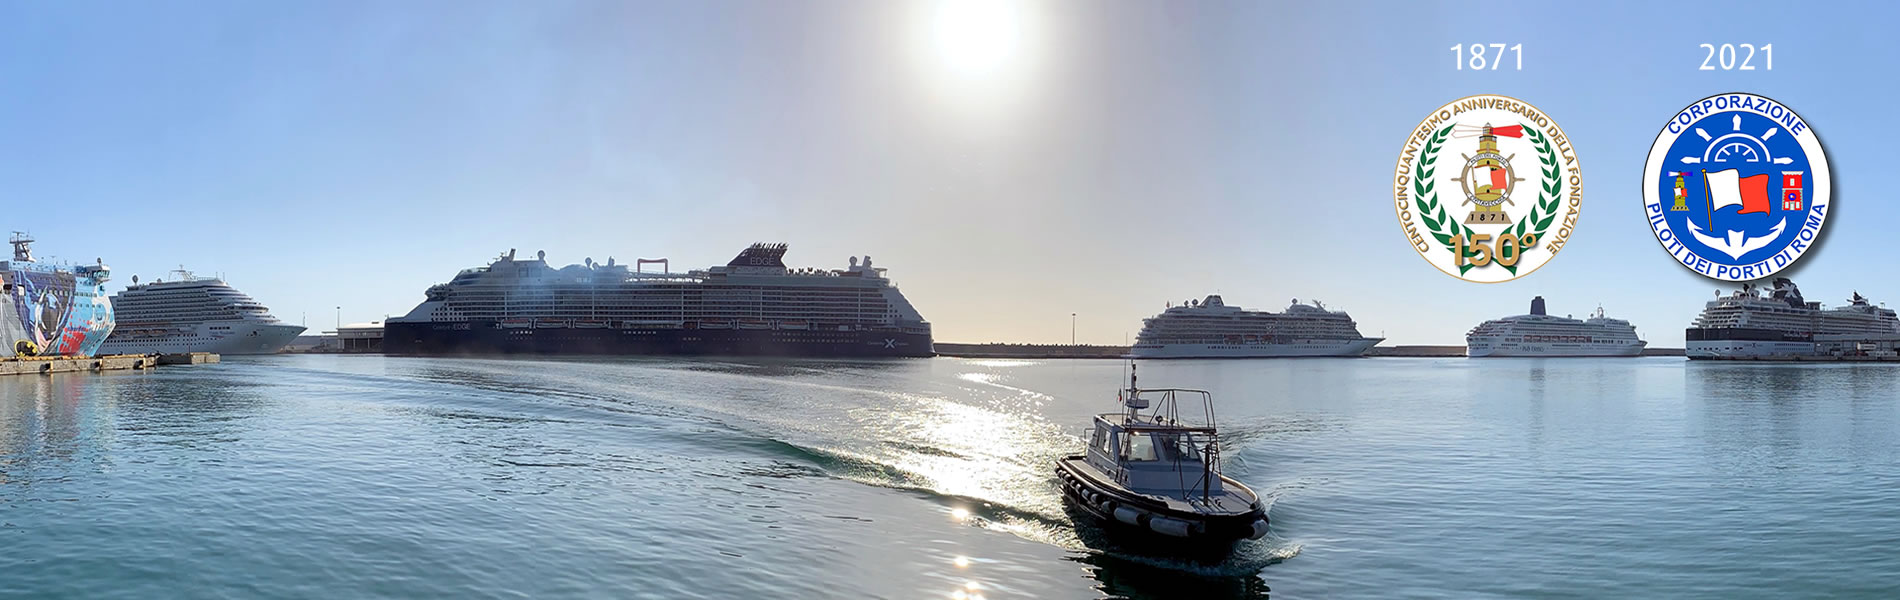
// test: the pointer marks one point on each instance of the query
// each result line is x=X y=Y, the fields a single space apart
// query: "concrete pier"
x=47 y=365
x=188 y=358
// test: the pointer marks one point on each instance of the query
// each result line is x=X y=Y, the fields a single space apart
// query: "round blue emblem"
x=1736 y=187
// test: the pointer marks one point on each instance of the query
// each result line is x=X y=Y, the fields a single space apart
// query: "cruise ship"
x=1212 y=329
x=1540 y=334
x=1747 y=323
x=194 y=314
x=754 y=305
x=52 y=310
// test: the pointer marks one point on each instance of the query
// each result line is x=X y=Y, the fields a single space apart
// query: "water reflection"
x=1129 y=566
x=1124 y=578
x=1760 y=420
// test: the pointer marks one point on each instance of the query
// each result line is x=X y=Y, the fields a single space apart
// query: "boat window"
x=1182 y=448
x=1169 y=447
x=1107 y=442
x=1141 y=446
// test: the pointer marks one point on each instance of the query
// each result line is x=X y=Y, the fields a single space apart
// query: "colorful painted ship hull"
x=53 y=310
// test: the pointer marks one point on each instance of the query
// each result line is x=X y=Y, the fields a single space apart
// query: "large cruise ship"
x=1212 y=329
x=753 y=305
x=52 y=310
x=1540 y=334
x=1746 y=323
x=194 y=314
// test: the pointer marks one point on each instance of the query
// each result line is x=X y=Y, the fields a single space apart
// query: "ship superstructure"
x=189 y=313
x=1212 y=329
x=1541 y=334
x=752 y=305
x=52 y=309
x=1749 y=323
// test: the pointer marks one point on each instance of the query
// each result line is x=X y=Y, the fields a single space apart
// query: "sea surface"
x=368 y=476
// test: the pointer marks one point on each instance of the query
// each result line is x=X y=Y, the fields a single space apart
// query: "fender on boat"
x=1128 y=515
x=1259 y=529
x=1170 y=526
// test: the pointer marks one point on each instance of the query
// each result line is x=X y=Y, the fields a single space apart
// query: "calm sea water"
x=361 y=476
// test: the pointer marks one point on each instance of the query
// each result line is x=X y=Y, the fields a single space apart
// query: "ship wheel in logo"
x=1487 y=177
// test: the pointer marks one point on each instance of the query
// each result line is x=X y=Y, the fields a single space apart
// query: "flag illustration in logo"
x=1728 y=188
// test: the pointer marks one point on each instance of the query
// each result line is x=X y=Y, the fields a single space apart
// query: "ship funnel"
x=1537 y=305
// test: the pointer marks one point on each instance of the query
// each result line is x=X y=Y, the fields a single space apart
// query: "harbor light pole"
x=339 y=320
x=1071 y=329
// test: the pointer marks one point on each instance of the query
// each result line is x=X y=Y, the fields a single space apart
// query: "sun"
x=974 y=49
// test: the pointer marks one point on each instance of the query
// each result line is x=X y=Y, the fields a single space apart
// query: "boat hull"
x=1552 y=350
x=1315 y=348
x=1701 y=343
x=53 y=311
x=476 y=338
x=1138 y=514
x=220 y=337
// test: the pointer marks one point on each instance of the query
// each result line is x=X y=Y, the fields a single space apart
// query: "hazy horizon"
x=1009 y=163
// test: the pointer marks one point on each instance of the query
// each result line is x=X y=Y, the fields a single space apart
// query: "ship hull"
x=238 y=338
x=1745 y=349
x=1316 y=348
x=1553 y=350
x=476 y=338
x=52 y=311
x=1706 y=343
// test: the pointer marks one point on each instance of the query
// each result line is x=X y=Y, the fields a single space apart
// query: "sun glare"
x=977 y=48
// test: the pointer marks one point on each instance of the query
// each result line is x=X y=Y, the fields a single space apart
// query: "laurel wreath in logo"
x=1443 y=227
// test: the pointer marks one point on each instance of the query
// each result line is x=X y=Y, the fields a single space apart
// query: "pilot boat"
x=1152 y=472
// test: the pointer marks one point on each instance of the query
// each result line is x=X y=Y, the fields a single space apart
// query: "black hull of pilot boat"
x=1101 y=501
x=448 y=339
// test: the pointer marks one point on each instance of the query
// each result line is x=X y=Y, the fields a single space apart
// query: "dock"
x=1029 y=350
x=48 y=365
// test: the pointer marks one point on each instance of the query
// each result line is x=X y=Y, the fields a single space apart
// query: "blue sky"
x=1009 y=169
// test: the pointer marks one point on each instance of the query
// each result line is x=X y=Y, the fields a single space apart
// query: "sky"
x=1010 y=163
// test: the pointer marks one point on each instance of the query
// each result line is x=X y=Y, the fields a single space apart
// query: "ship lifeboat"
x=550 y=323
x=516 y=323
x=754 y=324
x=1153 y=475
x=590 y=324
x=715 y=324
x=794 y=325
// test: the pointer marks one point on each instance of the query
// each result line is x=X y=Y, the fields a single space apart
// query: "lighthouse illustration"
x=1487 y=178
x=1790 y=190
x=1682 y=195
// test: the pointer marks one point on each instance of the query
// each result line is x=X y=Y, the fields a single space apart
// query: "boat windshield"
x=1160 y=446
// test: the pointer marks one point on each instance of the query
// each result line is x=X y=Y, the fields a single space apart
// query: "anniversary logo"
x=1488 y=188
x=1709 y=188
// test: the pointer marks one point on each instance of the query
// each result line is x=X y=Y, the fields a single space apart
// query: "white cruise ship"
x=1540 y=334
x=1212 y=329
x=193 y=314
x=1746 y=323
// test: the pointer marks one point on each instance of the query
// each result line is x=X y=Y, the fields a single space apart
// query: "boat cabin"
x=1154 y=457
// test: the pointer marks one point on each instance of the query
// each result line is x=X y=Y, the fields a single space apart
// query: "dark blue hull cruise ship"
x=753 y=305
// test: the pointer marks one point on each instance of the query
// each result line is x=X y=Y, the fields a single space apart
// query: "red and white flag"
x=1729 y=188
x=1498 y=179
